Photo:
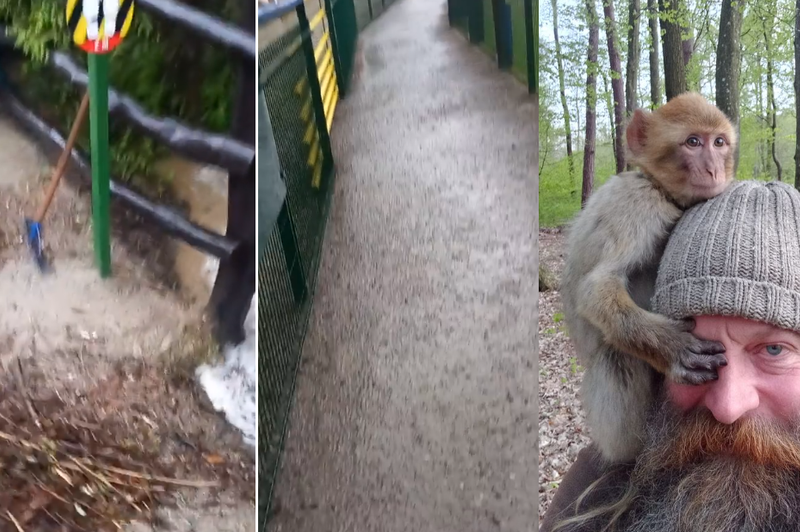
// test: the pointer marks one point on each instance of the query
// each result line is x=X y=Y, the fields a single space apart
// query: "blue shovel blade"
x=34 y=231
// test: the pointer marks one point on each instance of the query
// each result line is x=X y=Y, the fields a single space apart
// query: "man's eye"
x=774 y=350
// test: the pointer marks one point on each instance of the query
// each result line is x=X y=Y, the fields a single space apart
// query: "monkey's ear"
x=636 y=133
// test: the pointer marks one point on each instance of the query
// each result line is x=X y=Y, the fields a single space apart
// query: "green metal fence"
x=290 y=251
x=342 y=14
x=506 y=29
x=369 y=10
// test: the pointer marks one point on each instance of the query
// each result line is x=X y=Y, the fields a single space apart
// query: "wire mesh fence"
x=296 y=89
x=288 y=265
x=369 y=10
x=506 y=29
x=364 y=12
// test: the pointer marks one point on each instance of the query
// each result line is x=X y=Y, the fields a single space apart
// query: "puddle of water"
x=230 y=385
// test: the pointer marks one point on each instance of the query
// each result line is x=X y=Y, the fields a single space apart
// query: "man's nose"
x=734 y=394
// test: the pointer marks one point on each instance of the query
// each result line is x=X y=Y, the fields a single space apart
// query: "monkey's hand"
x=694 y=361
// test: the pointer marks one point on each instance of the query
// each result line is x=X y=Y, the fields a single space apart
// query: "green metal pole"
x=333 y=32
x=98 y=122
x=475 y=21
x=532 y=44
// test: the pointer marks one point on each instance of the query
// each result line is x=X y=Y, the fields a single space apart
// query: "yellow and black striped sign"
x=78 y=24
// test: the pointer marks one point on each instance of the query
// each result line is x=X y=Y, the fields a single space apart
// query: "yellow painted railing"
x=323 y=55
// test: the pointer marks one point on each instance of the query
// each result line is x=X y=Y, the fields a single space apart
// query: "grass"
x=560 y=197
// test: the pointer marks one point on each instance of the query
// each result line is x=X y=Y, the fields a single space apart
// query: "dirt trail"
x=109 y=361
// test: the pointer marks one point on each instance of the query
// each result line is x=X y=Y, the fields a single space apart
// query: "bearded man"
x=722 y=456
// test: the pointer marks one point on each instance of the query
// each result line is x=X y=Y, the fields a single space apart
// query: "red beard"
x=697 y=474
x=697 y=436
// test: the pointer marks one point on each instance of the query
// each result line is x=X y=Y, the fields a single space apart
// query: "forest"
x=601 y=59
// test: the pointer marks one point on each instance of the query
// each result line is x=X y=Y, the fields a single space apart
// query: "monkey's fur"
x=614 y=248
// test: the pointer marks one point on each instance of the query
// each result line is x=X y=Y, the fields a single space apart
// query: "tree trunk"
x=655 y=73
x=632 y=69
x=729 y=64
x=687 y=46
x=562 y=89
x=577 y=106
x=543 y=154
x=762 y=165
x=674 y=66
x=772 y=108
x=591 y=103
x=609 y=106
x=616 y=81
x=797 y=92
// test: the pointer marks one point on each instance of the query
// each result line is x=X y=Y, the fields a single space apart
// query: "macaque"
x=685 y=152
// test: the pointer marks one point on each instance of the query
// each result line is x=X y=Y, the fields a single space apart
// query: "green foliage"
x=767 y=38
x=558 y=200
x=165 y=69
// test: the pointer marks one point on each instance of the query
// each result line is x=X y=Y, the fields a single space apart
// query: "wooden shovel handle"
x=64 y=158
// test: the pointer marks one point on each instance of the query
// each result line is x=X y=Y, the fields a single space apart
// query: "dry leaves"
x=561 y=427
x=65 y=470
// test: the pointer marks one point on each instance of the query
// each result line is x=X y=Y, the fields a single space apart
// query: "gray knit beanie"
x=735 y=255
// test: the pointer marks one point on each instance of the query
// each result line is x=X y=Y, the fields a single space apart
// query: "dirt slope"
x=97 y=395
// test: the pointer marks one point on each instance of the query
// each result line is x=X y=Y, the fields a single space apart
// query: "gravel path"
x=415 y=401
x=561 y=427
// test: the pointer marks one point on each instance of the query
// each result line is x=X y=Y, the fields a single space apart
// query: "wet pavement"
x=415 y=403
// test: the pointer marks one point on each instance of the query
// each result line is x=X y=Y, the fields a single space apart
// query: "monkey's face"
x=687 y=146
x=704 y=159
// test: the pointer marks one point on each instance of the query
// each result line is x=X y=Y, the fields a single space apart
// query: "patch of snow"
x=231 y=385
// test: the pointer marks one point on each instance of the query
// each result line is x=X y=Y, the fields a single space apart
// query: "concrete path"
x=415 y=407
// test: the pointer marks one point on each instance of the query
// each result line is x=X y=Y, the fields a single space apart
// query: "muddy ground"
x=561 y=419
x=102 y=425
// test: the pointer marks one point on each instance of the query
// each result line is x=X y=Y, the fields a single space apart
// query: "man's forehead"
x=737 y=326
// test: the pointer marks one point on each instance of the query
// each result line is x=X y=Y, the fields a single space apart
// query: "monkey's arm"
x=606 y=304
x=629 y=240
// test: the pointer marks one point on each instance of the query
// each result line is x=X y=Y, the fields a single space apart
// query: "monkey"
x=685 y=154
